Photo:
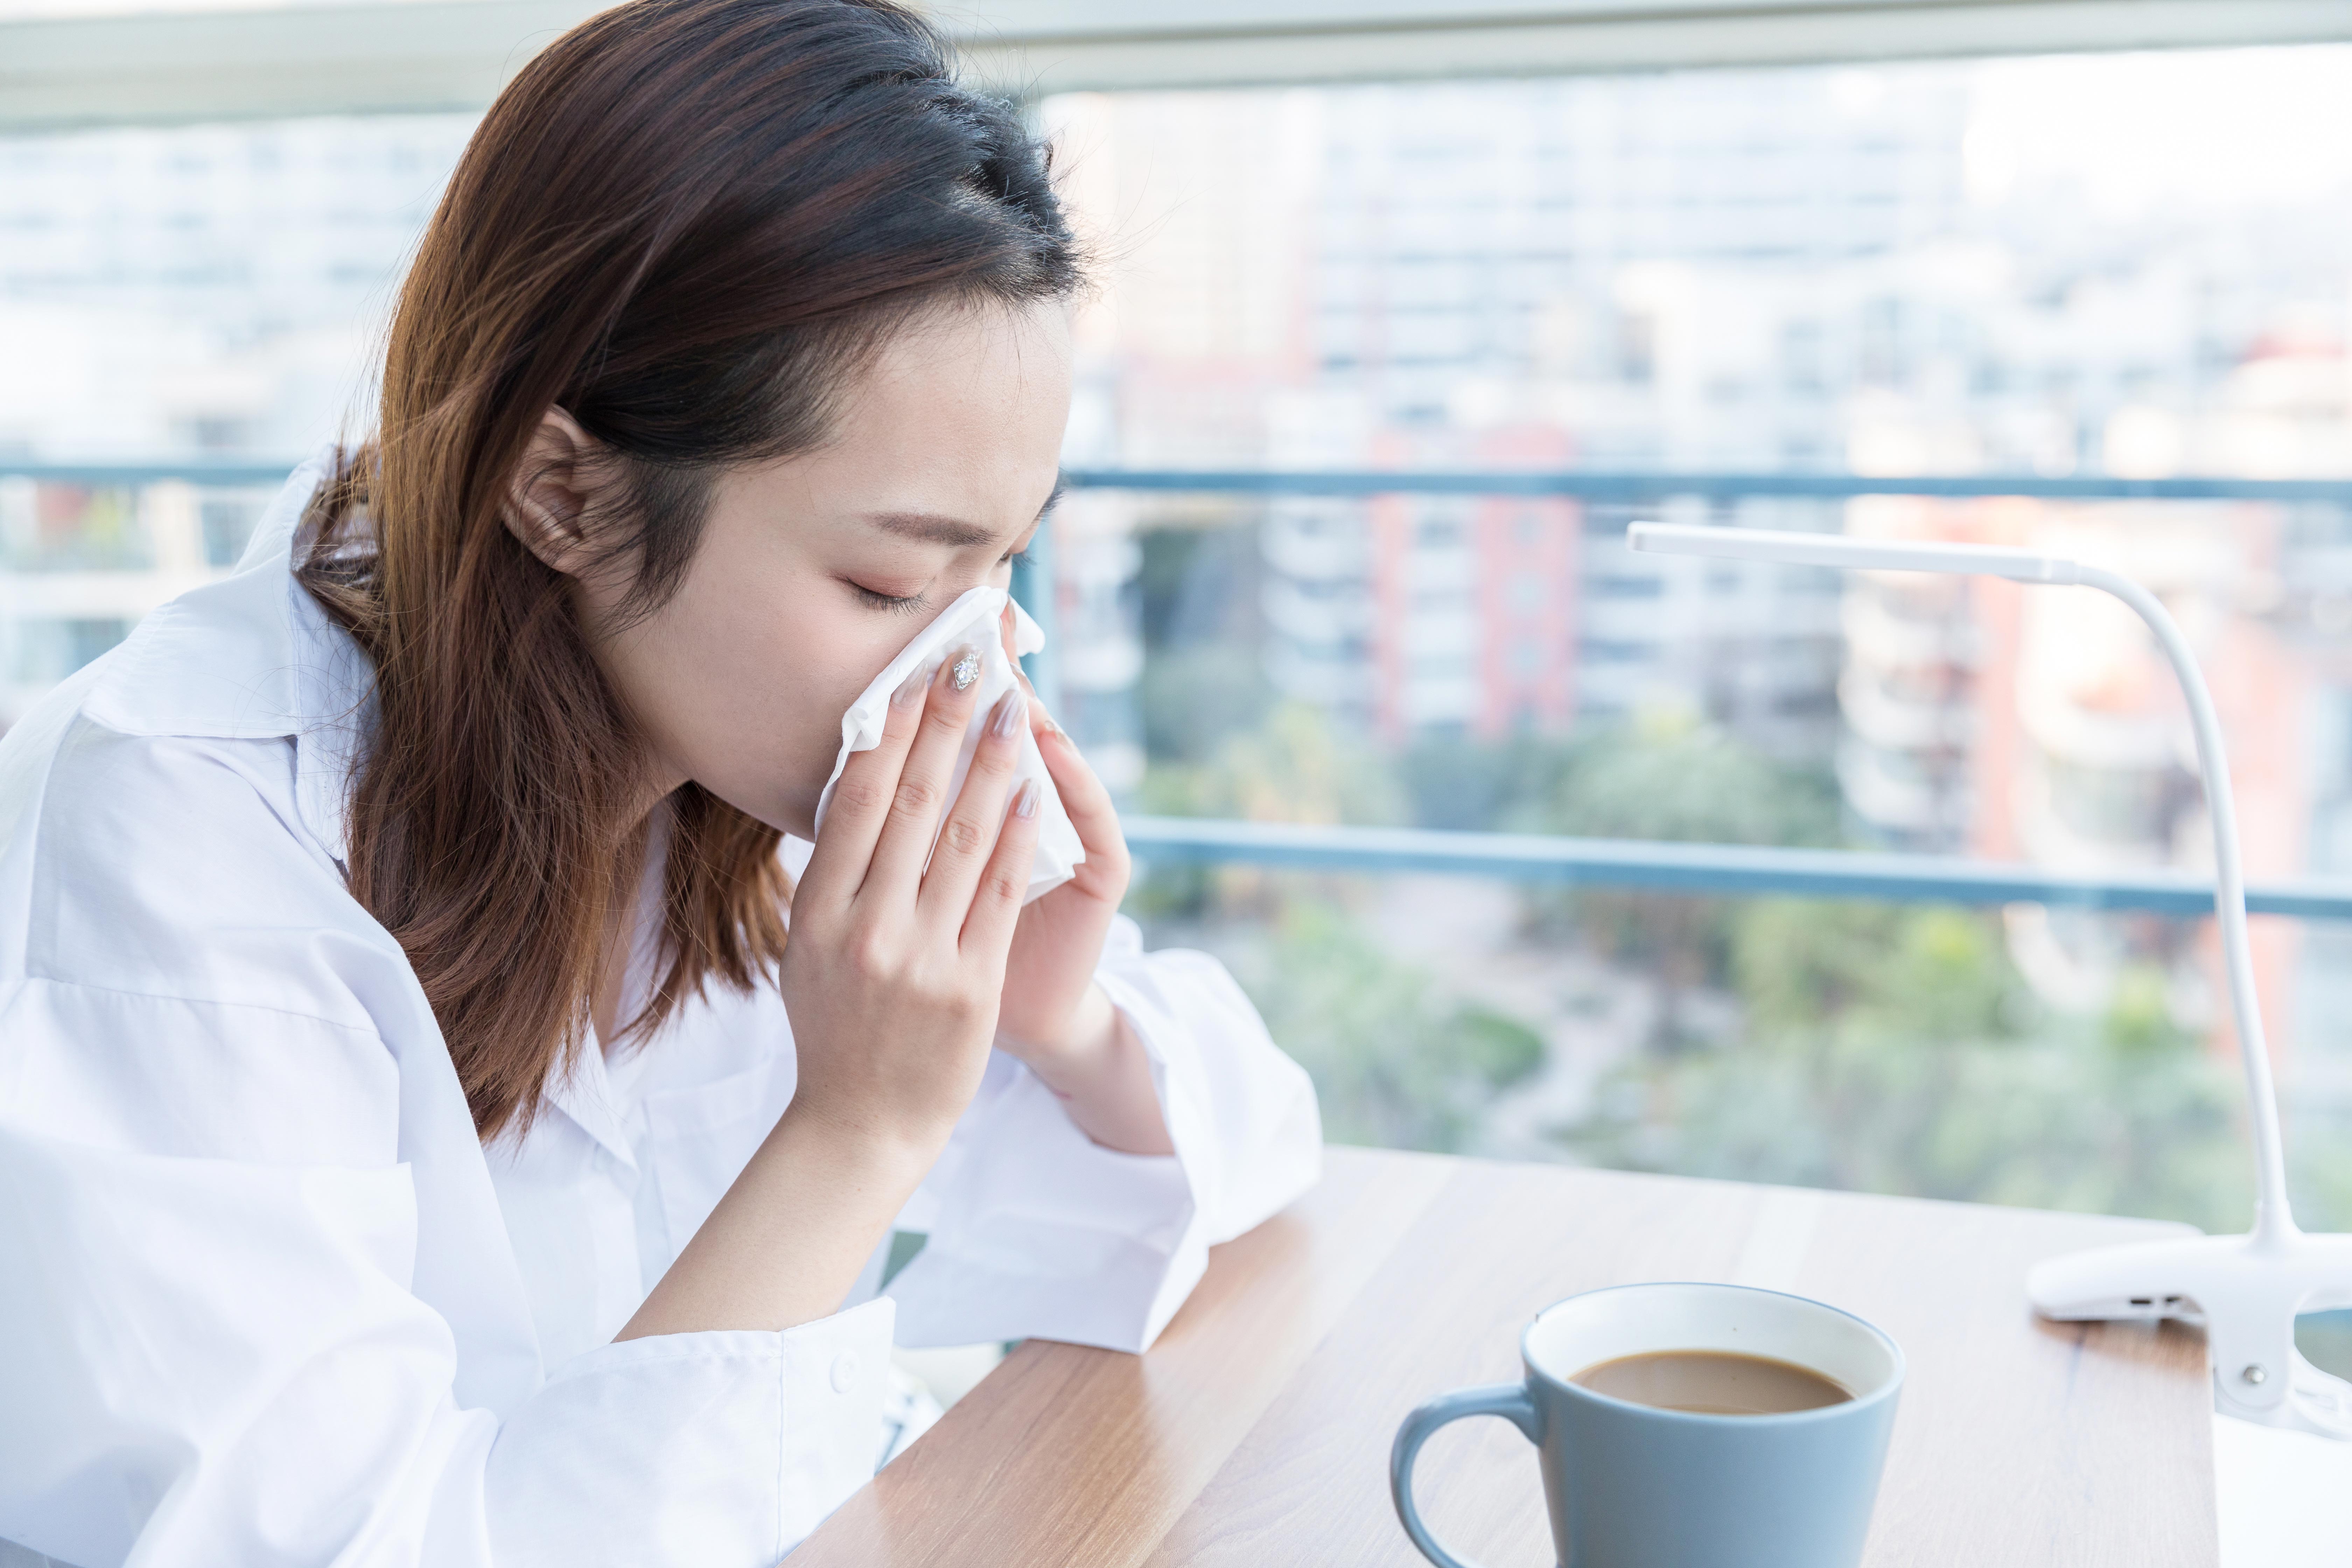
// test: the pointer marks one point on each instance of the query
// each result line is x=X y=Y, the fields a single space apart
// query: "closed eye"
x=912 y=604
x=1019 y=554
x=899 y=603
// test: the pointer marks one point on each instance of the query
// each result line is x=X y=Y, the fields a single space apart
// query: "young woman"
x=421 y=1141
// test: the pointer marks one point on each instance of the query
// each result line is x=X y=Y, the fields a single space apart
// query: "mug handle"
x=1508 y=1400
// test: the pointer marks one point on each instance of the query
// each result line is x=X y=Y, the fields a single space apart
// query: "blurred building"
x=1804 y=269
x=1510 y=275
x=1880 y=272
x=211 y=291
x=1409 y=613
x=1520 y=276
x=205 y=290
x=2045 y=726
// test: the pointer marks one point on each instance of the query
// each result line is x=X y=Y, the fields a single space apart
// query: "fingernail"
x=1009 y=711
x=1024 y=802
x=910 y=689
x=965 y=669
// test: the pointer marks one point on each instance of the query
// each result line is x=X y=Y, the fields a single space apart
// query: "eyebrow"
x=931 y=528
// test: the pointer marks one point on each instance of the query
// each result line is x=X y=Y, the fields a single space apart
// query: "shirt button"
x=844 y=1370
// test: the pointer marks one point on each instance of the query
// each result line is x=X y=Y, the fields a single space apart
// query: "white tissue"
x=973 y=618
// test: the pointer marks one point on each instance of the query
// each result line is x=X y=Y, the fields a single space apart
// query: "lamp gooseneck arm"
x=2273 y=1218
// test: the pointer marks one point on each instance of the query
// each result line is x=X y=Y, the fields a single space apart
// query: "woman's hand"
x=891 y=978
x=1053 y=1016
x=893 y=970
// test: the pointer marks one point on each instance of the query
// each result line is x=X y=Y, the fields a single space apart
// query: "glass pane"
x=207 y=290
x=2044 y=268
x=203 y=294
x=2039 y=268
x=1889 y=1048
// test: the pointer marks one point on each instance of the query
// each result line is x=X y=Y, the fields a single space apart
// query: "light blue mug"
x=1634 y=1486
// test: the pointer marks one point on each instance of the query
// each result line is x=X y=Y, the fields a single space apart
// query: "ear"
x=554 y=490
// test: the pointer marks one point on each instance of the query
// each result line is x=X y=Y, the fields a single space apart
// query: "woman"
x=419 y=1140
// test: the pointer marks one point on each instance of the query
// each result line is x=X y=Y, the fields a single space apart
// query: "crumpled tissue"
x=971 y=618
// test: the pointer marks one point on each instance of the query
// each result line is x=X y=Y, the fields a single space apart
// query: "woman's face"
x=813 y=573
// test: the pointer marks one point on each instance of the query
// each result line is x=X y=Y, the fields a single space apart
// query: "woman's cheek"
x=773 y=687
x=804 y=731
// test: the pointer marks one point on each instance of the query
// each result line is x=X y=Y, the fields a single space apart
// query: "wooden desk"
x=1257 y=1432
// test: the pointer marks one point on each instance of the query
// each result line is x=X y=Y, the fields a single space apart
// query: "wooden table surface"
x=1257 y=1432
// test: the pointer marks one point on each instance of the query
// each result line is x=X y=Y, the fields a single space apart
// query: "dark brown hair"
x=686 y=223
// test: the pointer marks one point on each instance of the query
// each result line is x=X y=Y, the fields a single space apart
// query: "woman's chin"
x=789 y=815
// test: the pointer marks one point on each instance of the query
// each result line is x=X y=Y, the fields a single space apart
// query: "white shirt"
x=265 y=1300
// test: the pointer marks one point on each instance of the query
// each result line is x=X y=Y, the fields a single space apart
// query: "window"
x=2085 y=266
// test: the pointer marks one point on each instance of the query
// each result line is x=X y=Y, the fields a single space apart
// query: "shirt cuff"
x=719 y=1450
x=1041 y=1232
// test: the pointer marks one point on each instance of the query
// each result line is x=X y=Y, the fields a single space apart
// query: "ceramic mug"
x=1634 y=1486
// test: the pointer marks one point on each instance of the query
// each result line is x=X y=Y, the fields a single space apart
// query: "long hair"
x=687 y=223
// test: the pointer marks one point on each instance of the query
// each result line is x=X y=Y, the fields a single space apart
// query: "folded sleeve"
x=1036 y=1231
x=206 y=1360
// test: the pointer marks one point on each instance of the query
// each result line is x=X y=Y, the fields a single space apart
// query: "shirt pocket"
x=701 y=1139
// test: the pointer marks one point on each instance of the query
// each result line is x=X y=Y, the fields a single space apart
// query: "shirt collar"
x=253 y=657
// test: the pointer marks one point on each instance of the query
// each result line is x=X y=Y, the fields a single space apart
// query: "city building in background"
x=2038 y=267
x=1963 y=269
x=205 y=290
x=213 y=292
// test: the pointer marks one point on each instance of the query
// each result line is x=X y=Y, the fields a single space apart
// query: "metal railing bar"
x=1625 y=485
x=194 y=471
x=1637 y=485
x=1706 y=868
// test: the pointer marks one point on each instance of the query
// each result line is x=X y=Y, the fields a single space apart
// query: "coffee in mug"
x=1689 y=1426
x=1713 y=1382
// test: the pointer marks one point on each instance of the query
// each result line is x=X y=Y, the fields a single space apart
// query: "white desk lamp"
x=2244 y=1289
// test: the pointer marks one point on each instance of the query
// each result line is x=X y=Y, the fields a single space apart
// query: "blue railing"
x=1636 y=485
x=1631 y=485
x=1706 y=867
x=193 y=471
x=1680 y=868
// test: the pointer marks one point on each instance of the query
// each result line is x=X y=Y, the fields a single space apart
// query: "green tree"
x=1898 y=1051
x=1671 y=777
x=1294 y=765
x=1396 y=1063
x=1467 y=785
x=1195 y=697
